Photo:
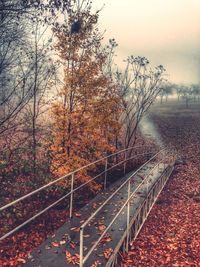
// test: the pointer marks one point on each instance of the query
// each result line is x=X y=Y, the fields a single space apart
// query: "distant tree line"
x=187 y=93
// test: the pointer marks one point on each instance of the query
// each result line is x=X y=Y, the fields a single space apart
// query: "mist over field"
x=166 y=32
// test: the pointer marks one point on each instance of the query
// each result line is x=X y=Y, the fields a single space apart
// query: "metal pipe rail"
x=73 y=190
x=83 y=258
x=139 y=218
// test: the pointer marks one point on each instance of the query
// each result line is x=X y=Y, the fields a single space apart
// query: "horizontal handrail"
x=61 y=178
x=52 y=205
x=32 y=218
x=66 y=195
x=123 y=161
x=122 y=185
x=119 y=163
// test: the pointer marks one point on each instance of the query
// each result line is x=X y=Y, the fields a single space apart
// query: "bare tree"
x=17 y=17
x=138 y=87
x=186 y=94
x=195 y=91
x=166 y=90
x=26 y=71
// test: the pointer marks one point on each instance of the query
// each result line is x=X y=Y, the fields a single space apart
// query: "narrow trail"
x=149 y=130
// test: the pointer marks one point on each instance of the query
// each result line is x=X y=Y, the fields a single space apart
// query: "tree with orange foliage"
x=83 y=121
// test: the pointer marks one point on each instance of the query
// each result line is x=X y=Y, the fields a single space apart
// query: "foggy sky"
x=167 y=32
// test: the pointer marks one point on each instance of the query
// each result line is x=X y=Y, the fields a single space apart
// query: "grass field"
x=171 y=234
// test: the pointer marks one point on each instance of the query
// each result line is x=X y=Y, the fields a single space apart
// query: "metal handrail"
x=122 y=185
x=69 y=193
x=126 y=233
x=82 y=258
x=108 y=169
x=61 y=178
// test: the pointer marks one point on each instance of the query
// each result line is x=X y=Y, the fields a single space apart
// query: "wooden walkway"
x=64 y=245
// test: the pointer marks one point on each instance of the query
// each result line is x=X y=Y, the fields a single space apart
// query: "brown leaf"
x=107 y=253
x=55 y=244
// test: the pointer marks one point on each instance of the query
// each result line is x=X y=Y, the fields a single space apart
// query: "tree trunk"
x=34 y=117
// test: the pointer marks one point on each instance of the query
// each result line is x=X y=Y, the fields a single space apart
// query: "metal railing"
x=71 y=175
x=130 y=195
x=139 y=218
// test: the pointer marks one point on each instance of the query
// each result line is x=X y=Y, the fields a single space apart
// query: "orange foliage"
x=85 y=115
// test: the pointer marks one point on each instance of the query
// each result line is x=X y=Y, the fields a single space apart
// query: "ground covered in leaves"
x=171 y=234
x=15 y=248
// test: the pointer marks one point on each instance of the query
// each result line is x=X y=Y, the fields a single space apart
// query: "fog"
x=166 y=32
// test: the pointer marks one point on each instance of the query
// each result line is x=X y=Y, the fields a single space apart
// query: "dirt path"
x=171 y=235
x=149 y=130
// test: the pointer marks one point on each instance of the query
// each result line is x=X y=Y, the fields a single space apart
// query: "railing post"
x=128 y=214
x=125 y=157
x=71 y=196
x=105 y=177
x=164 y=158
x=81 y=247
x=147 y=186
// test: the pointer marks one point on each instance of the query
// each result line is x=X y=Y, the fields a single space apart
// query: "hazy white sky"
x=167 y=32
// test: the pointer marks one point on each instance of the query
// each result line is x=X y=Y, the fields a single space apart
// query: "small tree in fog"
x=139 y=85
x=165 y=91
x=178 y=91
x=186 y=94
x=195 y=90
